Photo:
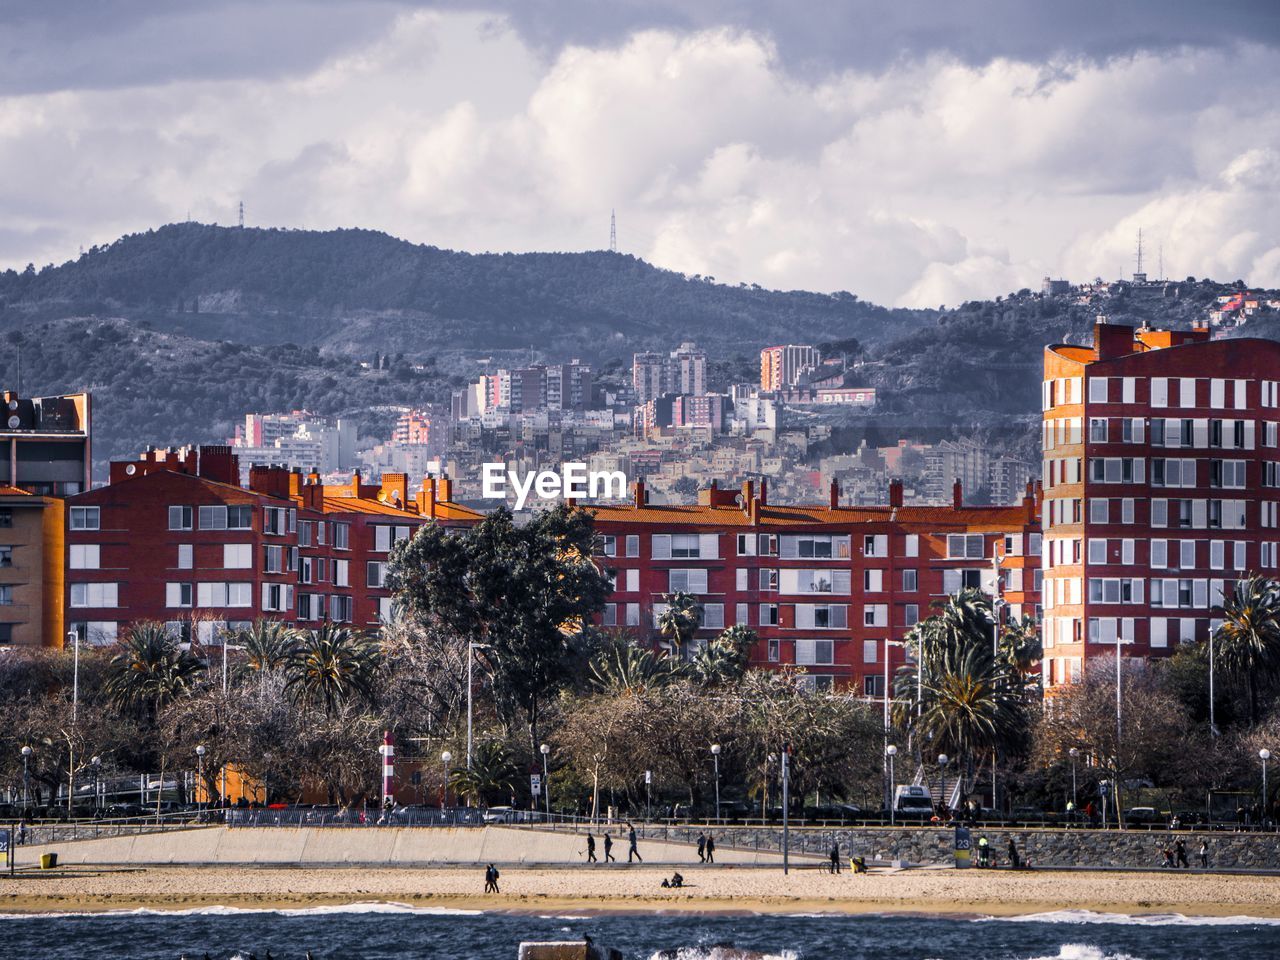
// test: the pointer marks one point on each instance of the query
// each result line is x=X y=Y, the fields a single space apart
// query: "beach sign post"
x=964 y=847
x=6 y=846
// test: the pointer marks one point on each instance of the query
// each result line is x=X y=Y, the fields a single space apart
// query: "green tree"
x=493 y=774
x=525 y=591
x=621 y=668
x=679 y=621
x=1247 y=643
x=151 y=670
x=331 y=667
x=725 y=659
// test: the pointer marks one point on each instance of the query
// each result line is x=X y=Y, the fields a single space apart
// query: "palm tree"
x=1021 y=651
x=268 y=646
x=970 y=708
x=151 y=669
x=680 y=620
x=332 y=666
x=1247 y=642
x=623 y=669
x=493 y=774
x=726 y=658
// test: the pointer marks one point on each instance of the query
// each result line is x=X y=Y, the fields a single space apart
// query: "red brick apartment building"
x=175 y=538
x=1161 y=476
x=830 y=587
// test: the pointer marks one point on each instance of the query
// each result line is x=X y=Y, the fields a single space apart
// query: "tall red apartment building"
x=830 y=587
x=175 y=538
x=1161 y=469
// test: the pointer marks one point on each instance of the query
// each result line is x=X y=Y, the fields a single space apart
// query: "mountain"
x=181 y=330
x=360 y=292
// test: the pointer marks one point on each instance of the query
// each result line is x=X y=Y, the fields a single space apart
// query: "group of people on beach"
x=633 y=850
x=1176 y=856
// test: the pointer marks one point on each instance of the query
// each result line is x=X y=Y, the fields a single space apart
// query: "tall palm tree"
x=679 y=622
x=970 y=707
x=1021 y=651
x=268 y=646
x=331 y=667
x=1247 y=643
x=151 y=669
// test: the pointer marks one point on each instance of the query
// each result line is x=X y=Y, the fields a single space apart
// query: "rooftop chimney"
x=638 y=492
x=957 y=494
x=835 y=494
x=895 y=493
x=764 y=491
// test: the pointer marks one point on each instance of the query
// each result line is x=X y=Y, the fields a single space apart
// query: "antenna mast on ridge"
x=1139 y=271
x=613 y=231
x=242 y=222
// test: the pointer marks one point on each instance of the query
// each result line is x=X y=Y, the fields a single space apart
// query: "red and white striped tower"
x=388 y=751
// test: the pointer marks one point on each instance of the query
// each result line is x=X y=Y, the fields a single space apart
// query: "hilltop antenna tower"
x=242 y=224
x=1139 y=250
x=613 y=231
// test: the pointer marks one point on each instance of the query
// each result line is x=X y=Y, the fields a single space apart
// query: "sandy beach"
x=622 y=889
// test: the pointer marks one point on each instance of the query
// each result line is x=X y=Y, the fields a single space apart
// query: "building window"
x=375 y=574
x=237 y=556
x=82 y=556
x=911 y=614
x=177 y=595
x=633 y=545
x=82 y=518
x=608 y=545
x=6 y=595
x=95 y=595
x=341 y=536
x=775 y=651
x=340 y=574
x=610 y=615
x=213 y=518
x=910 y=581
x=6 y=556
x=966 y=546
x=179 y=518
x=713 y=616
x=633 y=614
x=6 y=633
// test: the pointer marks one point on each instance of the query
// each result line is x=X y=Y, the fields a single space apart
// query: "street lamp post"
x=786 y=819
x=26 y=778
x=942 y=769
x=445 y=757
x=546 y=779
x=200 y=752
x=891 y=751
x=1074 y=754
x=1264 y=755
x=74 y=636
x=715 y=756
x=1213 y=727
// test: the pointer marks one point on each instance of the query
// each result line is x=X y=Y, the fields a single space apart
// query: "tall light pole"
x=1213 y=727
x=1264 y=755
x=96 y=763
x=715 y=756
x=942 y=769
x=786 y=820
x=1119 y=729
x=1074 y=754
x=200 y=752
x=891 y=751
x=546 y=779
x=445 y=757
x=74 y=636
x=26 y=778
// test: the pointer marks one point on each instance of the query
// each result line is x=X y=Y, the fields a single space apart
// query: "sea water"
x=399 y=932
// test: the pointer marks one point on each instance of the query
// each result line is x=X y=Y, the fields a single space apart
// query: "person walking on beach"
x=1180 y=850
x=1015 y=861
x=702 y=848
x=608 y=849
x=711 y=849
x=835 y=857
x=591 y=849
x=635 y=852
x=491 y=879
x=984 y=851
x=1204 y=854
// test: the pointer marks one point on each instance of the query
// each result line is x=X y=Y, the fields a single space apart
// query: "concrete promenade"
x=375 y=846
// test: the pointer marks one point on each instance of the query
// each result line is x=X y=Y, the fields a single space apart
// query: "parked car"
x=1142 y=817
x=912 y=802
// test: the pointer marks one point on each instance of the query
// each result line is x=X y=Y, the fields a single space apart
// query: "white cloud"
x=924 y=182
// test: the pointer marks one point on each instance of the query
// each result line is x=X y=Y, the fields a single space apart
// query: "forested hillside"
x=359 y=291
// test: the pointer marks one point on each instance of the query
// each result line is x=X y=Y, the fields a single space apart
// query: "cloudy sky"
x=913 y=152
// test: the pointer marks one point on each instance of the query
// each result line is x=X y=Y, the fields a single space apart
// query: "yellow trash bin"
x=48 y=861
